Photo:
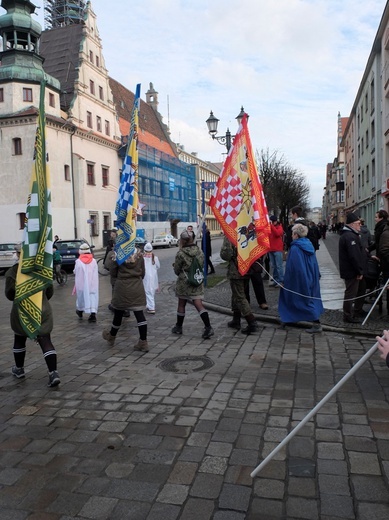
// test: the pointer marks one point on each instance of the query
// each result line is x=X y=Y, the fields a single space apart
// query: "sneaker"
x=92 y=318
x=142 y=345
x=177 y=329
x=18 y=372
x=208 y=332
x=54 y=379
x=264 y=306
x=79 y=314
x=149 y=311
x=108 y=337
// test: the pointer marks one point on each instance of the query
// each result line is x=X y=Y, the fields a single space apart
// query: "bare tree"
x=284 y=186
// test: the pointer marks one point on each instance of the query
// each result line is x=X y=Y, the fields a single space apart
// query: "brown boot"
x=108 y=337
x=142 y=345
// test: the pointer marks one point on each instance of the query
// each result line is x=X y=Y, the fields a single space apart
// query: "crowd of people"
x=135 y=282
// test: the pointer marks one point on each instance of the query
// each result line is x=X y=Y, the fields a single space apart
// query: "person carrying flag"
x=20 y=338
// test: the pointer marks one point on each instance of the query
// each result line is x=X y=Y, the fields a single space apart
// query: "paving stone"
x=330 y=450
x=332 y=467
x=364 y=463
x=234 y=497
x=302 y=508
x=228 y=515
x=207 y=486
x=173 y=494
x=196 y=508
x=161 y=511
x=368 y=511
x=269 y=488
x=302 y=486
x=68 y=504
x=183 y=473
x=99 y=507
x=337 y=506
x=131 y=510
x=369 y=489
x=265 y=509
x=132 y=490
x=216 y=465
x=332 y=484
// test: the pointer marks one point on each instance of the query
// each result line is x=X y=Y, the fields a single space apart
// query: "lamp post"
x=226 y=139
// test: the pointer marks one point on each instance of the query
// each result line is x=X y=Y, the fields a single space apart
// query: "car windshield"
x=7 y=247
x=69 y=245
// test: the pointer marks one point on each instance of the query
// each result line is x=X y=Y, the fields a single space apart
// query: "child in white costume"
x=86 y=284
x=150 y=281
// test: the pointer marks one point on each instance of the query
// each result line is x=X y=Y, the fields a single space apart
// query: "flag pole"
x=314 y=411
x=375 y=303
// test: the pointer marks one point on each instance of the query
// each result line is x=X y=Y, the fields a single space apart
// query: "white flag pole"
x=314 y=411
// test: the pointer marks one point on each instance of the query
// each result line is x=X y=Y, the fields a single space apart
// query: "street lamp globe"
x=239 y=117
x=212 y=123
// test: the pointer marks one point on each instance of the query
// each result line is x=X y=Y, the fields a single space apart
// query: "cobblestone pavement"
x=174 y=433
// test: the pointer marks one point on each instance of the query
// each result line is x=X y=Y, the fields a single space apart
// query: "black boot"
x=235 y=322
x=251 y=325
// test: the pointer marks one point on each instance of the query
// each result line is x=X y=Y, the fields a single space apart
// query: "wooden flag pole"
x=314 y=411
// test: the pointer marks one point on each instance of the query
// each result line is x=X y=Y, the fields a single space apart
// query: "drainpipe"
x=72 y=176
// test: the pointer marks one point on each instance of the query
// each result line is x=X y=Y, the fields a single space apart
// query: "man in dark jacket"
x=297 y=216
x=352 y=266
x=381 y=220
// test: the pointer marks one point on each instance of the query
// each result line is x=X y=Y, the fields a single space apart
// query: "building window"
x=101 y=93
x=51 y=100
x=22 y=220
x=97 y=61
x=92 y=87
x=91 y=174
x=27 y=94
x=89 y=119
x=66 y=171
x=17 y=146
x=1 y=95
x=107 y=129
x=91 y=56
x=98 y=123
x=94 y=225
x=105 y=175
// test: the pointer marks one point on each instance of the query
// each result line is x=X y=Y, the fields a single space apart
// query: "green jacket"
x=229 y=253
x=181 y=266
x=47 y=314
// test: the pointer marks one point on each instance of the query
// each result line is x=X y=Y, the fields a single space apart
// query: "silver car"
x=164 y=240
x=7 y=256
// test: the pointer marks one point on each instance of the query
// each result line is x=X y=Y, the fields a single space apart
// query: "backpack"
x=195 y=275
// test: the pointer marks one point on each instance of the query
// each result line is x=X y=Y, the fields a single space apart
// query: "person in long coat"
x=186 y=292
x=300 y=298
x=128 y=294
x=86 y=284
x=20 y=337
x=150 y=281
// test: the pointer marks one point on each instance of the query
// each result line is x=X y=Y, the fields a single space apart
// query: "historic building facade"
x=87 y=115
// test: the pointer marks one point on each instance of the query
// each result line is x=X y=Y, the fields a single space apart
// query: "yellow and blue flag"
x=35 y=270
x=127 y=203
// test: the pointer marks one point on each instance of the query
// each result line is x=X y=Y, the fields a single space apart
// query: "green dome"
x=20 y=21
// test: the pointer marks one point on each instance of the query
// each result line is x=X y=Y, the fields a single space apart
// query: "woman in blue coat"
x=300 y=298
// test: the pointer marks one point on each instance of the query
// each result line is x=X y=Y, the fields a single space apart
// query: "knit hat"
x=148 y=247
x=186 y=235
x=352 y=217
x=84 y=249
x=273 y=218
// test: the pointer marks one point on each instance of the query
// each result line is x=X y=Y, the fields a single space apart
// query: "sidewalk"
x=174 y=433
x=332 y=291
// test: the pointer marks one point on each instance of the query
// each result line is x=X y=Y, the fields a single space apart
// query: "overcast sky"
x=292 y=64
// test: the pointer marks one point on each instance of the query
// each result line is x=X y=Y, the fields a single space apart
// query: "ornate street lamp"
x=226 y=139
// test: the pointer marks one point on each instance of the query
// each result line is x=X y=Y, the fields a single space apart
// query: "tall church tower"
x=63 y=12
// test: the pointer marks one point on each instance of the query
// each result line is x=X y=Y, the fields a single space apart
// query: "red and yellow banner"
x=238 y=202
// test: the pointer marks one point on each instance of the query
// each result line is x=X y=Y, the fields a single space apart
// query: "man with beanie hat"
x=352 y=267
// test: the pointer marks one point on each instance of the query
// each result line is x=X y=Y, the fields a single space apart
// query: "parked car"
x=68 y=249
x=7 y=256
x=140 y=242
x=164 y=240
